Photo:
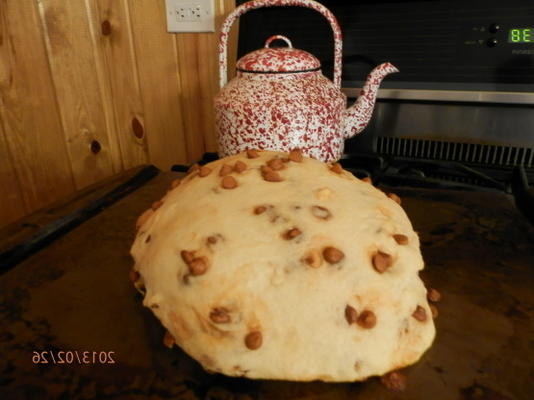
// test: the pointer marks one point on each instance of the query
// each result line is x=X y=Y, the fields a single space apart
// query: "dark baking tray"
x=75 y=295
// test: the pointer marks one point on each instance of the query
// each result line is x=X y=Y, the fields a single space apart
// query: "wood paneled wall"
x=89 y=88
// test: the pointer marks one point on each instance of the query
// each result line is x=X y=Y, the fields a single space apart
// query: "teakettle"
x=280 y=100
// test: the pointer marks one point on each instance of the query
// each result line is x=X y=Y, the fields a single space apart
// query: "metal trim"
x=449 y=95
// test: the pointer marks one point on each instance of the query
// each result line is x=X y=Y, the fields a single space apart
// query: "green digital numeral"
x=515 y=35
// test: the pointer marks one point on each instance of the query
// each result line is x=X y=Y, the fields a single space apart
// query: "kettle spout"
x=358 y=115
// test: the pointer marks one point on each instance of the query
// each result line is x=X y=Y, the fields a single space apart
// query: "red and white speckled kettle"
x=280 y=100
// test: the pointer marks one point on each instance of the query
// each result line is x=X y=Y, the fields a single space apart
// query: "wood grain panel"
x=28 y=108
x=199 y=70
x=113 y=36
x=12 y=207
x=160 y=83
x=209 y=87
x=72 y=60
x=77 y=72
x=225 y=8
x=191 y=96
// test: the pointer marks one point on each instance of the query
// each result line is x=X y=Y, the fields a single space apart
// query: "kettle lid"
x=278 y=60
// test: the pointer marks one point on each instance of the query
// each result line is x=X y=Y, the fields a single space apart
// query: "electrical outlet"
x=190 y=15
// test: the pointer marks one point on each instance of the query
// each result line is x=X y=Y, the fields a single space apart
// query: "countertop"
x=75 y=295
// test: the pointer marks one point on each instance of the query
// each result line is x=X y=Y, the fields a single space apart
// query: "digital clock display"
x=521 y=35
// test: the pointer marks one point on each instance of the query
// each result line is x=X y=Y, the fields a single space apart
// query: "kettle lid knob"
x=278 y=59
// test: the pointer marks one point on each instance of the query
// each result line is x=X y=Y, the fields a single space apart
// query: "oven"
x=464 y=97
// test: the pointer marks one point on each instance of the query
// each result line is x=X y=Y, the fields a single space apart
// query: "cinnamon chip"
x=275 y=164
x=198 y=266
x=187 y=256
x=433 y=295
x=225 y=170
x=333 y=255
x=367 y=180
x=259 y=210
x=382 y=261
x=321 y=212
x=220 y=315
x=269 y=175
x=433 y=310
x=175 y=183
x=292 y=233
x=252 y=153
x=336 y=167
x=204 y=171
x=367 y=319
x=157 y=204
x=351 y=315
x=419 y=314
x=401 y=239
x=211 y=239
x=253 y=340
x=295 y=155
x=240 y=166
x=228 y=182
x=394 y=381
x=168 y=340
x=394 y=197
x=313 y=259
x=134 y=275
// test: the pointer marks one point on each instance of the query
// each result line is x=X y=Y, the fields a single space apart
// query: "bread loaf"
x=276 y=266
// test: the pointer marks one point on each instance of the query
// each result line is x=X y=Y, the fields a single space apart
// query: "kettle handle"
x=251 y=5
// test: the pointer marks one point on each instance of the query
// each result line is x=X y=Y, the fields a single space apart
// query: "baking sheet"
x=75 y=296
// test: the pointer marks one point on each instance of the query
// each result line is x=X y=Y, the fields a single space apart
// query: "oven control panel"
x=514 y=37
x=497 y=42
x=437 y=45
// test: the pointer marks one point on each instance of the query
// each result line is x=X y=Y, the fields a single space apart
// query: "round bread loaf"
x=276 y=266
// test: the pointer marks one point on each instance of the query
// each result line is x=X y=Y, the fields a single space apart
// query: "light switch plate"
x=190 y=15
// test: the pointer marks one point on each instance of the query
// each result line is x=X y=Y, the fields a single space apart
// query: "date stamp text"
x=73 y=357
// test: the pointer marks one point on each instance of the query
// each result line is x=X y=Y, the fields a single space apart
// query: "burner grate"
x=486 y=154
